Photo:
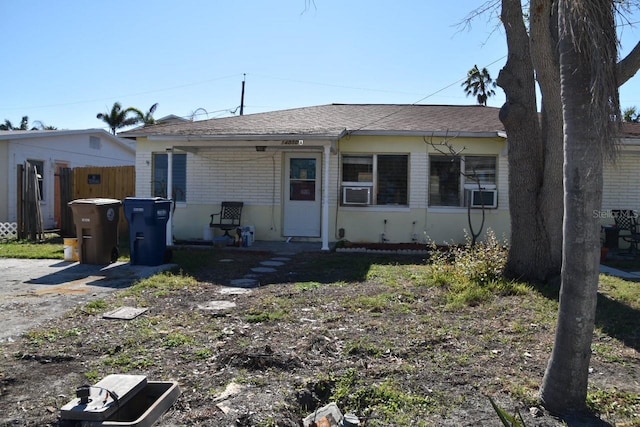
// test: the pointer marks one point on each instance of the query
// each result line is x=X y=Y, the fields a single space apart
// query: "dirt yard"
x=366 y=331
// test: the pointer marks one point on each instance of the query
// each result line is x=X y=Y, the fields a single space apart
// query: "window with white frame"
x=449 y=177
x=160 y=173
x=375 y=179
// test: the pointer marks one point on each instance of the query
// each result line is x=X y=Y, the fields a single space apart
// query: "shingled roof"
x=335 y=120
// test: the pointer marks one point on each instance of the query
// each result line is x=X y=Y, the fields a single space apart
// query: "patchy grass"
x=52 y=247
x=394 y=339
x=49 y=249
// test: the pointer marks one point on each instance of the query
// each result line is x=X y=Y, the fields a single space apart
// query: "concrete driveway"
x=34 y=291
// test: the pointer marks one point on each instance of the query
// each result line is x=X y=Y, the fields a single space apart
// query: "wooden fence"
x=30 y=222
x=101 y=182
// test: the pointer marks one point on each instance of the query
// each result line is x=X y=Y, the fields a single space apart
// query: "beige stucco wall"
x=418 y=222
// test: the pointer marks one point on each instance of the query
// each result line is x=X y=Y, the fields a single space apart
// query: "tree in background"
x=39 y=125
x=24 y=125
x=147 y=118
x=631 y=115
x=479 y=84
x=118 y=118
x=536 y=136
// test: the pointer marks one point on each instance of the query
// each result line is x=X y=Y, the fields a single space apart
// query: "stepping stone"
x=283 y=259
x=263 y=270
x=225 y=260
x=217 y=305
x=232 y=290
x=285 y=253
x=272 y=263
x=124 y=313
x=245 y=283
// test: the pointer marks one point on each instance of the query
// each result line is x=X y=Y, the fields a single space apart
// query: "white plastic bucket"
x=207 y=233
x=70 y=246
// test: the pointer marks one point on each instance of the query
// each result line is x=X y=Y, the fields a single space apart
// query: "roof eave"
x=247 y=137
x=461 y=134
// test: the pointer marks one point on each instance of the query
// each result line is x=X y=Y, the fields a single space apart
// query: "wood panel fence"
x=102 y=182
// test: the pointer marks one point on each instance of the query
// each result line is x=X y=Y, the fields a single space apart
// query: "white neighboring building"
x=51 y=150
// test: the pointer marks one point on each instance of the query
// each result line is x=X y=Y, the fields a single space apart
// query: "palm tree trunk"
x=564 y=387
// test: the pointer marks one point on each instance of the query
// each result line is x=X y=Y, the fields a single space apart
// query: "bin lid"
x=146 y=199
x=101 y=404
x=145 y=202
x=96 y=201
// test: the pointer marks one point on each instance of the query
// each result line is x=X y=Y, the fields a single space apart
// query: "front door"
x=302 y=195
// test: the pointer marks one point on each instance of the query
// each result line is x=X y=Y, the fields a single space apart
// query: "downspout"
x=169 y=239
x=325 y=200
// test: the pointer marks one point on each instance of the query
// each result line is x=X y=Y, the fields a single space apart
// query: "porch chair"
x=228 y=217
x=626 y=221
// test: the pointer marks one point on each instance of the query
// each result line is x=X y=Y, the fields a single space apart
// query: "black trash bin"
x=96 y=222
x=147 y=219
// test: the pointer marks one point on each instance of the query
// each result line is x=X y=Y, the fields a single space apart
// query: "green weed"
x=307 y=286
x=472 y=274
x=176 y=340
x=160 y=285
x=95 y=306
x=387 y=400
x=204 y=354
x=614 y=402
x=39 y=337
x=92 y=376
x=507 y=419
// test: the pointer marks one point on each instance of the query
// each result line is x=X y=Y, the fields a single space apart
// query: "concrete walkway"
x=610 y=271
x=34 y=291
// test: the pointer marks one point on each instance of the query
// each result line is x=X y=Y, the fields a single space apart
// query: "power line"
x=121 y=96
x=420 y=100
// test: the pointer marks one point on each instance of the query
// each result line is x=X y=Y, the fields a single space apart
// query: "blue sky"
x=67 y=60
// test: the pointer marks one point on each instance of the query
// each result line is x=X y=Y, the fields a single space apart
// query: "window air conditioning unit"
x=356 y=195
x=478 y=198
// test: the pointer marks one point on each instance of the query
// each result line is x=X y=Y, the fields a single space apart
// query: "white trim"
x=376 y=208
x=325 y=199
x=10 y=135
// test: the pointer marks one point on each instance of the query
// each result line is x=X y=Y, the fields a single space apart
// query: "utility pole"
x=242 y=96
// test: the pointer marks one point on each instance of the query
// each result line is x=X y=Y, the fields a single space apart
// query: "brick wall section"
x=620 y=189
x=143 y=174
x=251 y=177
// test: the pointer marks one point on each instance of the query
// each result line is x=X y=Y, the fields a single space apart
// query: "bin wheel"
x=114 y=254
x=168 y=256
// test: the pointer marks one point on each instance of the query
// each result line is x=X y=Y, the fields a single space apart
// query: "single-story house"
x=364 y=173
x=49 y=151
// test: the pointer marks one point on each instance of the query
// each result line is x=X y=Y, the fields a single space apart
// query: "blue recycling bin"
x=147 y=218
